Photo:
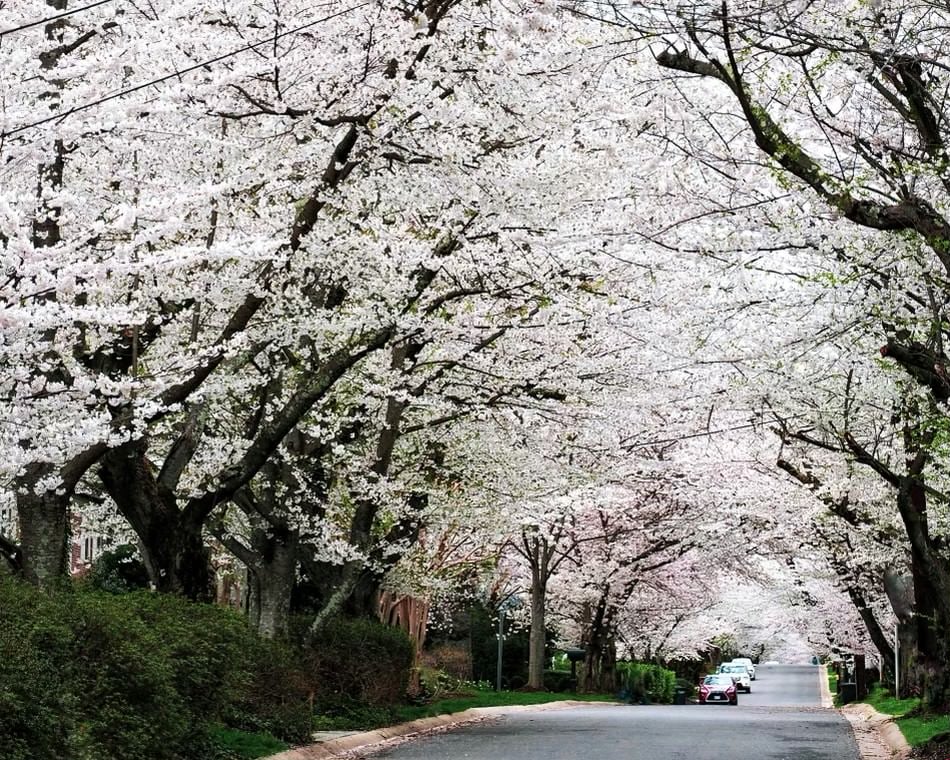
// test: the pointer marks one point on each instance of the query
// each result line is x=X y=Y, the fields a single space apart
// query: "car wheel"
x=734 y=702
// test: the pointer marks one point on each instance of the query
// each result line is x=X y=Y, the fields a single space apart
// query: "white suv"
x=739 y=673
x=748 y=665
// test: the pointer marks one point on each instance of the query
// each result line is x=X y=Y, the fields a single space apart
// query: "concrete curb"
x=337 y=747
x=876 y=734
x=826 y=699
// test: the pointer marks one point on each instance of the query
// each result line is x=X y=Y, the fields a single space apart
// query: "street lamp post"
x=501 y=645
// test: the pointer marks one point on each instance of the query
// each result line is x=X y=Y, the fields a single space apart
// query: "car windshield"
x=717 y=680
x=734 y=669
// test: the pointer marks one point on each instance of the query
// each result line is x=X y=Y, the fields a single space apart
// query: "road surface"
x=780 y=720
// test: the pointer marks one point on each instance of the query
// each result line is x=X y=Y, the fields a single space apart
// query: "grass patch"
x=918 y=729
x=884 y=701
x=244 y=744
x=491 y=699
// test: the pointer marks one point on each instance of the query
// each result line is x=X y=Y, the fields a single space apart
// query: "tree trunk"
x=363 y=601
x=172 y=544
x=599 y=672
x=275 y=574
x=881 y=643
x=538 y=636
x=911 y=679
x=43 y=517
x=931 y=605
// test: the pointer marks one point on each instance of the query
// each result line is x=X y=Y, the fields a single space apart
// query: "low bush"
x=136 y=676
x=644 y=682
x=118 y=571
x=276 y=696
x=360 y=661
x=559 y=681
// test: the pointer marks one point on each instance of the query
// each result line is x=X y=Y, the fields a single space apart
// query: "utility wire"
x=178 y=73
x=41 y=21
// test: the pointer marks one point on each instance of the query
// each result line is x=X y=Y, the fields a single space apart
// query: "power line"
x=178 y=73
x=48 y=19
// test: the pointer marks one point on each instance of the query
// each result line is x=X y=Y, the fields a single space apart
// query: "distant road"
x=781 y=719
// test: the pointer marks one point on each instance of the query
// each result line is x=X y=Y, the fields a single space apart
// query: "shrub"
x=361 y=661
x=118 y=571
x=276 y=695
x=136 y=676
x=559 y=681
x=646 y=682
x=37 y=715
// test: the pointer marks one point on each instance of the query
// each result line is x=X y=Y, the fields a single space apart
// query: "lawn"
x=247 y=745
x=884 y=701
x=917 y=729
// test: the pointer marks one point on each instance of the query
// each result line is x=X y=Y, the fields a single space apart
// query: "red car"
x=718 y=688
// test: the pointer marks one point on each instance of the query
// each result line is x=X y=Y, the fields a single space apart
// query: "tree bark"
x=599 y=671
x=43 y=517
x=874 y=630
x=171 y=540
x=538 y=635
x=931 y=605
x=275 y=576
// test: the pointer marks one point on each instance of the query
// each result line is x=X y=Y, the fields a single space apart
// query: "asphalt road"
x=780 y=720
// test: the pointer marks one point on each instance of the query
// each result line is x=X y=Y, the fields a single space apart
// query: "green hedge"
x=141 y=676
x=646 y=683
x=359 y=662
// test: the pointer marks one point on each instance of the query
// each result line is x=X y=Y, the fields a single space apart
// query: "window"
x=90 y=547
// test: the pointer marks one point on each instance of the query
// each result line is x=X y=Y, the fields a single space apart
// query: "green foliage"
x=883 y=701
x=359 y=661
x=647 y=683
x=242 y=744
x=348 y=715
x=38 y=717
x=118 y=571
x=275 y=696
x=918 y=729
x=484 y=638
x=558 y=680
x=136 y=676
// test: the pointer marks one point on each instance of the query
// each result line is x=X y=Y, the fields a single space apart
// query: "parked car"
x=740 y=674
x=748 y=663
x=718 y=688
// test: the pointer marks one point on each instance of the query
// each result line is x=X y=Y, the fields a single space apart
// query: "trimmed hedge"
x=140 y=676
x=647 y=683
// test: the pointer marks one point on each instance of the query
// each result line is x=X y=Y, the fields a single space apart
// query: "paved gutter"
x=338 y=747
